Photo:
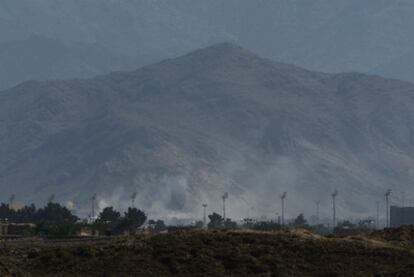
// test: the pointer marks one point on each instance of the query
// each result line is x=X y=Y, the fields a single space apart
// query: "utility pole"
x=317 y=212
x=387 y=195
x=93 y=198
x=204 y=215
x=334 y=194
x=378 y=208
x=282 y=197
x=224 y=197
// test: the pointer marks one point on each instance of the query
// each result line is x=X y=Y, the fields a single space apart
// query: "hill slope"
x=218 y=119
x=235 y=253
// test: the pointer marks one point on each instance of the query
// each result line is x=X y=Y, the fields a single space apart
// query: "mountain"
x=102 y=36
x=371 y=36
x=42 y=58
x=186 y=130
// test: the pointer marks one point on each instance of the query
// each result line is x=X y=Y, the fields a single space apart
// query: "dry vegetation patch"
x=212 y=253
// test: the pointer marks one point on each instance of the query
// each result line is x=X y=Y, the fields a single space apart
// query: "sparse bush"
x=265 y=226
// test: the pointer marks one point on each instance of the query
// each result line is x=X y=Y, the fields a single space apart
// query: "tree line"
x=56 y=220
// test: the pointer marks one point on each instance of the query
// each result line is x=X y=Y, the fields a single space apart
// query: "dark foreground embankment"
x=212 y=253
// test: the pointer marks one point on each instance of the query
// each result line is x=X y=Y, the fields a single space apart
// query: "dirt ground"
x=214 y=253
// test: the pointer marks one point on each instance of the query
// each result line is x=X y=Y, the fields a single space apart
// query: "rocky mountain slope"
x=218 y=119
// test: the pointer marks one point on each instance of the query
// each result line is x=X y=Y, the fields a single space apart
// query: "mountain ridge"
x=218 y=119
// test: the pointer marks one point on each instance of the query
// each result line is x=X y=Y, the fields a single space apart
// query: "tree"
x=54 y=213
x=133 y=219
x=229 y=224
x=199 y=224
x=216 y=221
x=265 y=226
x=27 y=214
x=346 y=224
x=157 y=226
x=56 y=220
x=109 y=216
x=300 y=221
x=6 y=213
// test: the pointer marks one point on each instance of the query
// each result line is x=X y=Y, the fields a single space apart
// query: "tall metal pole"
x=282 y=197
x=317 y=212
x=378 y=207
x=334 y=194
x=387 y=195
x=204 y=216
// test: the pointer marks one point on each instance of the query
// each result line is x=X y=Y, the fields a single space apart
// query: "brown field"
x=214 y=253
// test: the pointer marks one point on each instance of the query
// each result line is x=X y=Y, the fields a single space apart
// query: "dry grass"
x=211 y=253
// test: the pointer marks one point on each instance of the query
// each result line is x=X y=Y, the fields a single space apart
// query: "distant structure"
x=318 y=202
x=334 y=195
x=93 y=199
x=133 y=197
x=51 y=198
x=377 y=218
x=224 y=197
x=401 y=216
x=387 y=207
x=283 y=197
x=204 y=215
x=11 y=201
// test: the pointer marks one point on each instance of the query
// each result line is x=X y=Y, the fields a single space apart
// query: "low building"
x=401 y=216
x=16 y=229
